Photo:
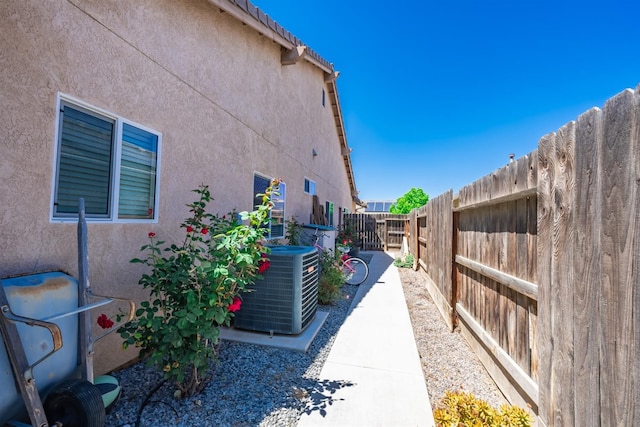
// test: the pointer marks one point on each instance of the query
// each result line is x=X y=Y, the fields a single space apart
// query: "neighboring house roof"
x=293 y=50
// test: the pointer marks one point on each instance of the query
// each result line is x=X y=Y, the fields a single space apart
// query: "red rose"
x=104 y=321
x=235 y=305
x=205 y=230
x=263 y=264
x=152 y=234
x=189 y=229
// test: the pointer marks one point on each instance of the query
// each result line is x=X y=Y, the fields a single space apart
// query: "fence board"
x=588 y=273
x=619 y=220
x=636 y=271
x=521 y=351
x=435 y=222
x=545 y=250
x=532 y=263
x=563 y=194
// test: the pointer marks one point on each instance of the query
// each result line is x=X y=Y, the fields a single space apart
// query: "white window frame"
x=308 y=182
x=114 y=194
x=275 y=200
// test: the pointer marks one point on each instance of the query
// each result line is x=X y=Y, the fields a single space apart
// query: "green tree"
x=414 y=198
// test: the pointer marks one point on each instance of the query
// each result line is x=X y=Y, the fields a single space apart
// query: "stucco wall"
x=214 y=88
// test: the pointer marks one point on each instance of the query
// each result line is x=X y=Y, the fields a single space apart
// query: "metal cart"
x=74 y=401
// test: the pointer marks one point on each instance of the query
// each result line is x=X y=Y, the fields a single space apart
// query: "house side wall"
x=214 y=88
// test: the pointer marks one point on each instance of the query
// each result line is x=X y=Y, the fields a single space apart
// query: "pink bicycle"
x=354 y=269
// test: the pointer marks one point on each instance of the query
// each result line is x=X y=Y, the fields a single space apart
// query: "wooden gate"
x=379 y=231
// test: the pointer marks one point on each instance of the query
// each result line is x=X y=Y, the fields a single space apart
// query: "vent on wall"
x=284 y=301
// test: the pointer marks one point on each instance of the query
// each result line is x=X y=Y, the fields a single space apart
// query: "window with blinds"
x=109 y=162
x=276 y=223
x=137 y=173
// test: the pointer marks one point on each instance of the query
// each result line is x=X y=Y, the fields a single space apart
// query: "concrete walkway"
x=372 y=376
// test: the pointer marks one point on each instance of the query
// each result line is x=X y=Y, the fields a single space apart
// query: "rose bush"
x=195 y=287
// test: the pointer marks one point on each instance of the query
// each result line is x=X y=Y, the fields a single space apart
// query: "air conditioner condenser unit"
x=284 y=301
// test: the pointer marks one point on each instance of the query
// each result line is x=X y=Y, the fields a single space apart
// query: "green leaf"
x=213 y=298
x=205 y=266
x=220 y=315
x=244 y=258
x=221 y=271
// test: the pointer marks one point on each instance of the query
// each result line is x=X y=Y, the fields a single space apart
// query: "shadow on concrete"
x=320 y=395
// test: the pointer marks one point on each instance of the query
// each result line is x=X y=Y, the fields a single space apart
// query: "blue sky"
x=437 y=94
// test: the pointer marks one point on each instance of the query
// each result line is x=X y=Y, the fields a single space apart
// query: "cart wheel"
x=75 y=403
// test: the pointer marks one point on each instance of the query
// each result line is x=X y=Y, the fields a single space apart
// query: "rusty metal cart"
x=74 y=400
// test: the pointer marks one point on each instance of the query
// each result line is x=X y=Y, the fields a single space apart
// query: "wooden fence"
x=379 y=231
x=538 y=264
x=431 y=243
x=495 y=275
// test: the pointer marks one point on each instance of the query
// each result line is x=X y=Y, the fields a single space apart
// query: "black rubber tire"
x=360 y=271
x=75 y=403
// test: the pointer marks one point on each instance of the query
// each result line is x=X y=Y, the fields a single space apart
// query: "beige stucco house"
x=134 y=104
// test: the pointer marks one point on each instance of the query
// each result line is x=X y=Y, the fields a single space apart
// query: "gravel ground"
x=262 y=386
x=252 y=386
x=447 y=360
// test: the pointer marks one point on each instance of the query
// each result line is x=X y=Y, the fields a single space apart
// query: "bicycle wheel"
x=355 y=271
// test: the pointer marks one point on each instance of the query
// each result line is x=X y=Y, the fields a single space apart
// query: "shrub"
x=407 y=262
x=331 y=278
x=330 y=285
x=464 y=409
x=195 y=288
x=293 y=231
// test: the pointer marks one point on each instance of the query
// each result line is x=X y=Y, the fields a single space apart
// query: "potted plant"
x=347 y=236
